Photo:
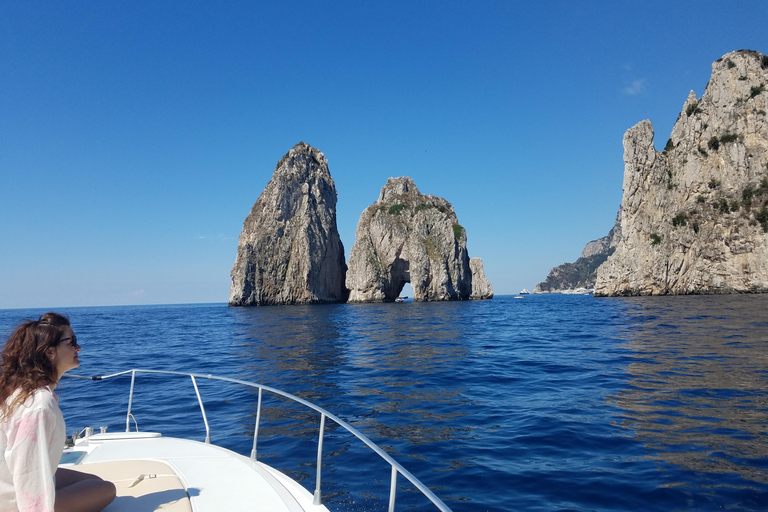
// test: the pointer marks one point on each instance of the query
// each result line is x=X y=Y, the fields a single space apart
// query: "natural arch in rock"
x=409 y=237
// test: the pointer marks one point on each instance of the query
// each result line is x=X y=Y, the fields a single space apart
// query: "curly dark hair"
x=27 y=359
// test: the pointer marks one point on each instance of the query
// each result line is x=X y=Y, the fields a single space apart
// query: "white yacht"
x=157 y=473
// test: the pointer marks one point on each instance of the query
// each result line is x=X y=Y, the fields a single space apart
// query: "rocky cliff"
x=582 y=273
x=406 y=236
x=694 y=217
x=289 y=251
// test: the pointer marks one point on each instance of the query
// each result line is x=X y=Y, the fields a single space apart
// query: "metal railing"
x=397 y=469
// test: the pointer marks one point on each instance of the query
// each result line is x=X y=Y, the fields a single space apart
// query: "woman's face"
x=66 y=352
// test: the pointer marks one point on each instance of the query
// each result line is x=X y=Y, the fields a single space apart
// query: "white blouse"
x=31 y=443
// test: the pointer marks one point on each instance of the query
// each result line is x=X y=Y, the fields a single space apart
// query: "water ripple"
x=547 y=403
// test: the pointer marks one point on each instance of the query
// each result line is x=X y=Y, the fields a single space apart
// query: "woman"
x=32 y=431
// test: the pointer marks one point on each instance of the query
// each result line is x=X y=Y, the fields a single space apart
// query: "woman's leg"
x=81 y=492
x=67 y=477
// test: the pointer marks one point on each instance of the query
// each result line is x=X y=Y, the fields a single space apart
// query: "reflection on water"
x=697 y=392
x=400 y=352
x=298 y=345
x=383 y=368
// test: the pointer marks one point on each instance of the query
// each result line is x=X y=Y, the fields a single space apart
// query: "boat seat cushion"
x=142 y=485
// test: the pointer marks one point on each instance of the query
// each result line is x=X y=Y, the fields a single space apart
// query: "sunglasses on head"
x=72 y=341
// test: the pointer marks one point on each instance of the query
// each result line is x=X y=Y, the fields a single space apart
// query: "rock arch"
x=409 y=237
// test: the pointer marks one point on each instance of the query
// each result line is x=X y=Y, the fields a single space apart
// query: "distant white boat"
x=524 y=292
x=519 y=296
x=401 y=299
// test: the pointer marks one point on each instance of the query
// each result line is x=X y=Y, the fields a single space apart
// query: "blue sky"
x=136 y=136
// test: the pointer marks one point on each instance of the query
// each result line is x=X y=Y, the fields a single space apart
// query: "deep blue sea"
x=555 y=402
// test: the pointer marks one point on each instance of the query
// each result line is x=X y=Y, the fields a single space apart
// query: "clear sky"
x=135 y=136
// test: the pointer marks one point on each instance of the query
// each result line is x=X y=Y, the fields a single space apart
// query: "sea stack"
x=406 y=236
x=289 y=251
x=694 y=216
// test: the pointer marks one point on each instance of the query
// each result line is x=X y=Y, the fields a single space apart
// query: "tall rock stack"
x=406 y=236
x=481 y=287
x=694 y=217
x=290 y=251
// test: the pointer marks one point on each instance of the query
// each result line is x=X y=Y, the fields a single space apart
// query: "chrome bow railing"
x=397 y=469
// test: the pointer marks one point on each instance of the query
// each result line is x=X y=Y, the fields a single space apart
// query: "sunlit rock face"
x=694 y=217
x=406 y=236
x=481 y=287
x=290 y=251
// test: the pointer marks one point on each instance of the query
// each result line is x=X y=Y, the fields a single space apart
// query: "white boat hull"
x=152 y=472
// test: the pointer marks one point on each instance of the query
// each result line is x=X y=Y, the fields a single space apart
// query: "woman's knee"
x=103 y=491
x=88 y=495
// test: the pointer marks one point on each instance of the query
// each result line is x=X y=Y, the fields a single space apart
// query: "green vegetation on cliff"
x=579 y=274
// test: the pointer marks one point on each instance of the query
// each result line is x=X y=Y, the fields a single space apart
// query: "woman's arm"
x=29 y=458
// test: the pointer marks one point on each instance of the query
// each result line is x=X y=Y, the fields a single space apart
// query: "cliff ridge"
x=694 y=216
x=580 y=276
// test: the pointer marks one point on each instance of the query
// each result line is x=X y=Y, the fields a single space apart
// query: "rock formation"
x=289 y=251
x=406 y=236
x=694 y=217
x=481 y=287
x=580 y=276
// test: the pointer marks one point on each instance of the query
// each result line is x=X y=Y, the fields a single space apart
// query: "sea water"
x=560 y=402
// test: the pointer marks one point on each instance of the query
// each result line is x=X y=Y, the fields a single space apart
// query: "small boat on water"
x=401 y=299
x=524 y=291
x=154 y=472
